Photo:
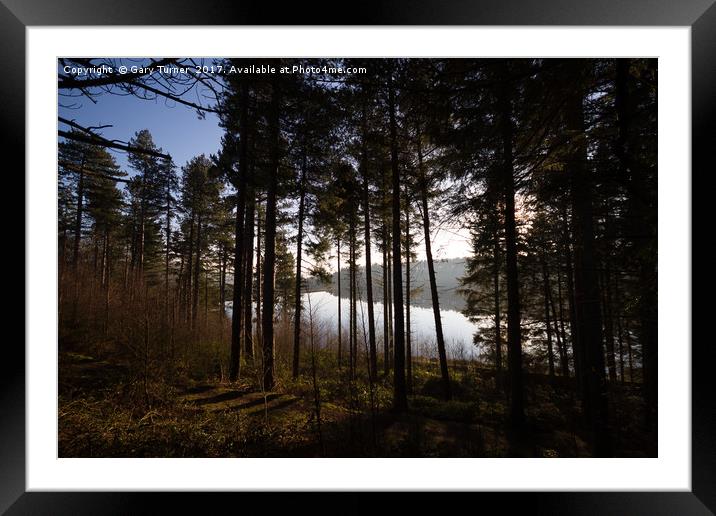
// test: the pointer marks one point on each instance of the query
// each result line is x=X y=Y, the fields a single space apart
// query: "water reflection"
x=458 y=330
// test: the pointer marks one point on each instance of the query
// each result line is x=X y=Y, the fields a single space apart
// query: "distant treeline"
x=447 y=274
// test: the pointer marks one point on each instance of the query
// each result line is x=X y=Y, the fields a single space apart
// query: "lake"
x=458 y=330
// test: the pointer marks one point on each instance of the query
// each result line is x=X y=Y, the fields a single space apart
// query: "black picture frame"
x=700 y=15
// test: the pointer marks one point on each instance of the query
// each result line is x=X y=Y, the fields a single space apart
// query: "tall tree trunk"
x=78 y=219
x=496 y=301
x=340 y=314
x=391 y=335
x=103 y=259
x=386 y=286
x=643 y=229
x=107 y=272
x=167 y=231
x=206 y=298
x=355 y=291
x=270 y=240
x=561 y=348
x=620 y=329
x=142 y=230
x=514 y=337
x=95 y=264
x=197 y=271
x=609 y=324
x=373 y=358
x=627 y=335
x=62 y=245
x=400 y=400
x=408 y=344
x=259 y=283
x=564 y=355
x=350 y=302
x=189 y=267
x=352 y=341
x=586 y=290
x=237 y=310
x=180 y=283
x=125 y=278
x=248 y=276
x=577 y=351
x=442 y=353
x=548 y=323
x=222 y=280
x=132 y=244
x=299 y=266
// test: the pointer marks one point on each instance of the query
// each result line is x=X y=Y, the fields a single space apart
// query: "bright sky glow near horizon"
x=179 y=131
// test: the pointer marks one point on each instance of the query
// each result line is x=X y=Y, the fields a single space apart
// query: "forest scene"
x=404 y=257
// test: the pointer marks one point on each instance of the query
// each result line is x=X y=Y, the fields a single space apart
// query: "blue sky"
x=175 y=128
x=181 y=133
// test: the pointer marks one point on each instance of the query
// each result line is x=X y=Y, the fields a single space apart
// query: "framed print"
x=434 y=249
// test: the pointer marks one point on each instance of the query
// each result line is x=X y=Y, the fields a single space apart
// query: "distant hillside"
x=447 y=274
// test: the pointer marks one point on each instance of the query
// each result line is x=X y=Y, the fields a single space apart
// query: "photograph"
x=356 y=257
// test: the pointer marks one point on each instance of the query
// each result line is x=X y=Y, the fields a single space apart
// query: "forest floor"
x=107 y=408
